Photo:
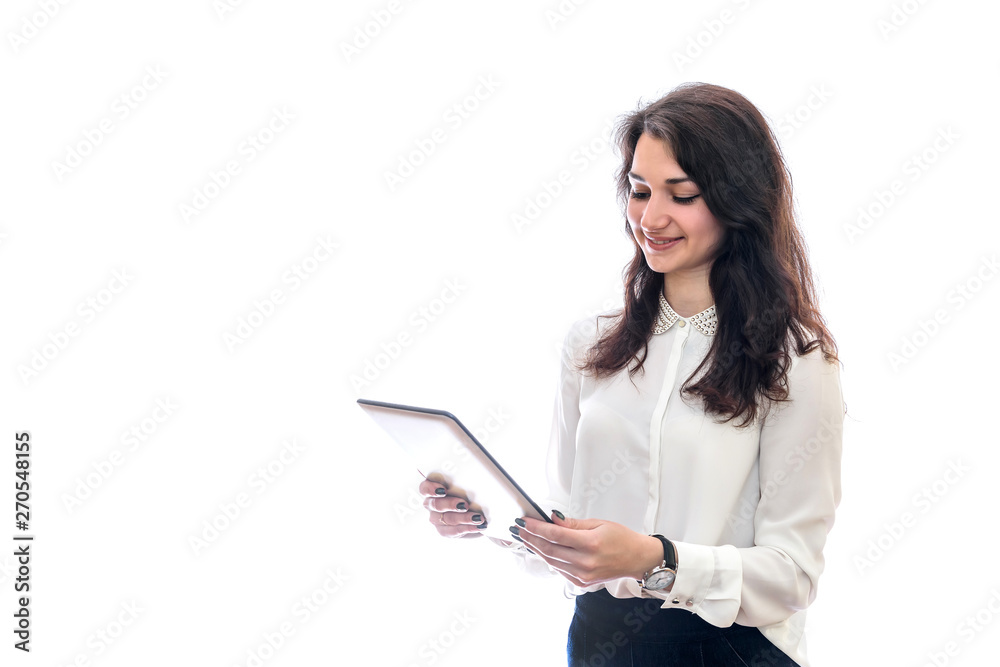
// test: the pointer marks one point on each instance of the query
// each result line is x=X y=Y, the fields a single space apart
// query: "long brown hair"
x=763 y=288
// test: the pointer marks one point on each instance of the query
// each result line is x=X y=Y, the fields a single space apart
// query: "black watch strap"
x=669 y=552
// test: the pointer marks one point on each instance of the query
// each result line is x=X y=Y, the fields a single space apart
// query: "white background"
x=853 y=98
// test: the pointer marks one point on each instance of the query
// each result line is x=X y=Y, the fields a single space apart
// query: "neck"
x=687 y=293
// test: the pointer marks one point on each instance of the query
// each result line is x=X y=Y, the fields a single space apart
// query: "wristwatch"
x=663 y=575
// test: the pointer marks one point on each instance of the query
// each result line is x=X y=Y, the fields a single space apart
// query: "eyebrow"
x=669 y=181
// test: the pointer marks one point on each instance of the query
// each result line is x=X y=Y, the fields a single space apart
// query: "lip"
x=654 y=247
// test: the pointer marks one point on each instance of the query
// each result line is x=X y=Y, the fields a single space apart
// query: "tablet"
x=444 y=450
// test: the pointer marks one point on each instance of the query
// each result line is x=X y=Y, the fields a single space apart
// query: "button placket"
x=656 y=428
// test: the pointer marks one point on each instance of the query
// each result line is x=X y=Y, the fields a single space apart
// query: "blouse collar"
x=705 y=321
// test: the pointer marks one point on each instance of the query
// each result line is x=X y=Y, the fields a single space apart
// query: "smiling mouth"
x=663 y=241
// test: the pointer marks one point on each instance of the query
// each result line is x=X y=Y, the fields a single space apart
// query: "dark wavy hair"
x=760 y=279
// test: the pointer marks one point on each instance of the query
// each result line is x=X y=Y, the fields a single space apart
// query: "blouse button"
x=681 y=323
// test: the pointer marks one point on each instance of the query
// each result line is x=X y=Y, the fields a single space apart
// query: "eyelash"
x=679 y=200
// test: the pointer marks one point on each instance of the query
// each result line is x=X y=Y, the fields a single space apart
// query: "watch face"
x=660 y=579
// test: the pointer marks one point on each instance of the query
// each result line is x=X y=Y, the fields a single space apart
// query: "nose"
x=656 y=214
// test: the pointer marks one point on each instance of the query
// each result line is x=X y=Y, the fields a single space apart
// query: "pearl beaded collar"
x=705 y=321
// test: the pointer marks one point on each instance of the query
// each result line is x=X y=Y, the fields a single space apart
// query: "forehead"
x=654 y=153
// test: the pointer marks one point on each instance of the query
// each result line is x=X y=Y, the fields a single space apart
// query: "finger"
x=429 y=488
x=456 y=530
x=567 y=537
x=469 y=518
x=447 y=504
x=568 y=570
x=552 y=553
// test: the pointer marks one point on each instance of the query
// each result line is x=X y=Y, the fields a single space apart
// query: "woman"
x=695 y=457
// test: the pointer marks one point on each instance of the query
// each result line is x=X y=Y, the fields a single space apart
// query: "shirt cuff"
x=708 y=582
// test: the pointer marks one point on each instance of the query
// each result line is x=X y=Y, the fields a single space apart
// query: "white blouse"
x=748 y=509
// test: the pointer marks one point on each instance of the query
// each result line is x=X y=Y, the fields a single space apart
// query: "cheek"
x=709 y=230
x=634 y=214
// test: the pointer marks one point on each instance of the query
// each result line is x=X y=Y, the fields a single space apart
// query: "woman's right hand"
x=450 y=514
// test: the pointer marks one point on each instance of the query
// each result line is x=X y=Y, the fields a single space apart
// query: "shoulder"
x=811 y=374
x=586 y=331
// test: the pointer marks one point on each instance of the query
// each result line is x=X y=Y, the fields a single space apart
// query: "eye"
x=679 y=200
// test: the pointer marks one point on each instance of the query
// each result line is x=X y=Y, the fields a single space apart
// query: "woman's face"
x=669 y=218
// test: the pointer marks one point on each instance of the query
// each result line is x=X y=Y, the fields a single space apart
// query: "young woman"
x=695 y=455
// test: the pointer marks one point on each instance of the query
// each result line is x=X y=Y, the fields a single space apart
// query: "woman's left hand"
x=591 y=551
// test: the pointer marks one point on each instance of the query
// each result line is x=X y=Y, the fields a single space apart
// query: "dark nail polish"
x=481 y=526
x=476 y=518
x=440 y=491
x=530 y=551
x=517 y=538
x=461 y=506
x=515 y=530
x=559 y=514
x=519 y=521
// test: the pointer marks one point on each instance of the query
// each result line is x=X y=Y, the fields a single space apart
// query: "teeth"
x=662 y=242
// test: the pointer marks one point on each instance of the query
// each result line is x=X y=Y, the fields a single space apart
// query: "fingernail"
x=476 y=518
x=519 y=521
x=440 y=491
x=517 y=538
x=481 y=526
x=460 y=506
x=530 y=551
x=559 y=514
x=515 y=530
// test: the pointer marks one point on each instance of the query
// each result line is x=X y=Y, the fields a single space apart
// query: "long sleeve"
x=799 y=474
x=561 y=449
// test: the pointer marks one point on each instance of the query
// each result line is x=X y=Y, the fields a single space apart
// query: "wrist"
x=650 y=555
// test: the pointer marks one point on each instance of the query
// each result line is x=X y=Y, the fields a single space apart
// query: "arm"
x=561 y=449
x=800 y=455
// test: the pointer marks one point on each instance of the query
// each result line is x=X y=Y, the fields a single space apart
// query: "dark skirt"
x=635 y=632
